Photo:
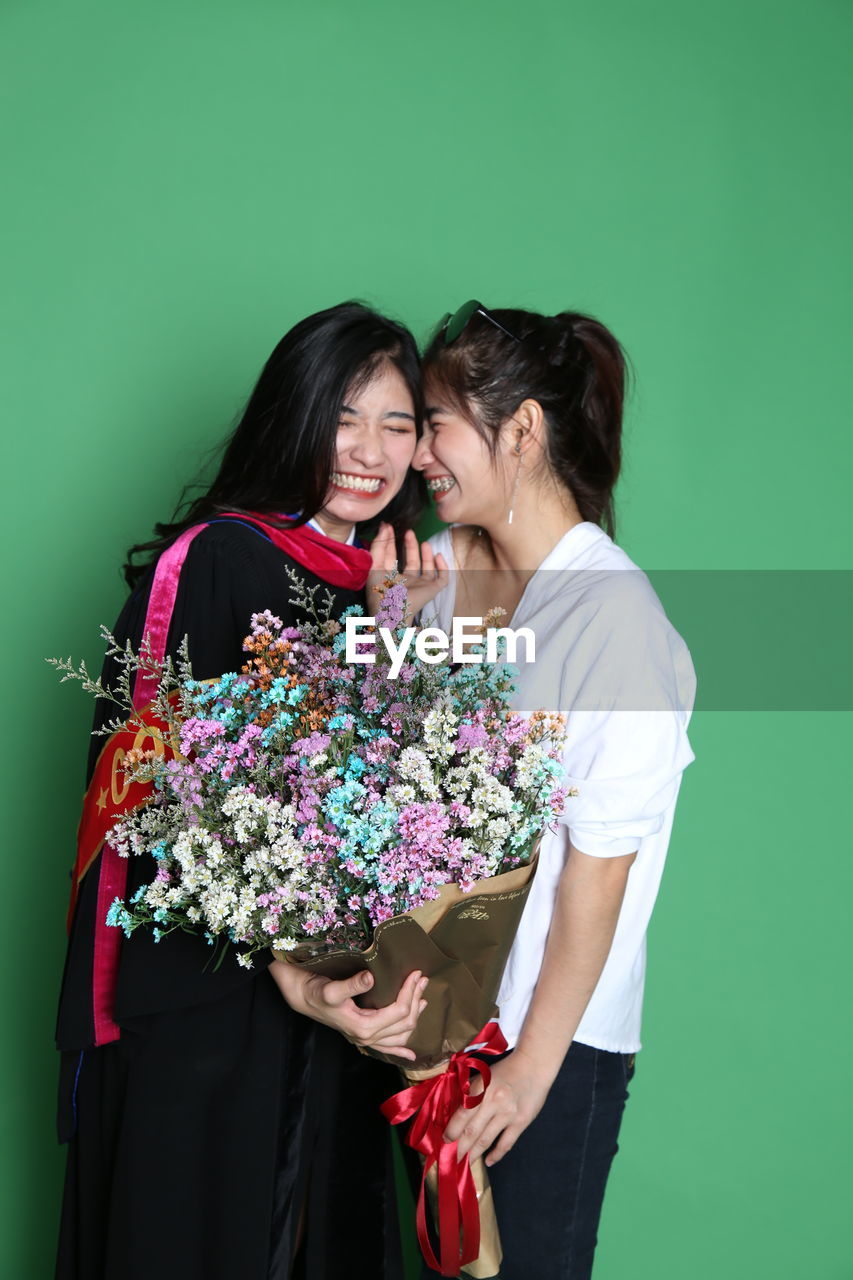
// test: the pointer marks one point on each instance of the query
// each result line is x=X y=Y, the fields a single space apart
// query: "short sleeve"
x=626 y=767
x=625 y=753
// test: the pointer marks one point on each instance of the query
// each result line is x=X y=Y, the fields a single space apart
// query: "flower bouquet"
x=347 y=816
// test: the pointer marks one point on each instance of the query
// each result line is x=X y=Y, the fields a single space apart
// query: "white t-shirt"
x=607 y=655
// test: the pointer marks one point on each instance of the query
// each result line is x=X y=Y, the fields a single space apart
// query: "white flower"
x=492 y=794
x=440 y=728
x=414 y=764
x=497 y=832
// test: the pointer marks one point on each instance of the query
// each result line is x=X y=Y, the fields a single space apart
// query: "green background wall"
x=184 y=181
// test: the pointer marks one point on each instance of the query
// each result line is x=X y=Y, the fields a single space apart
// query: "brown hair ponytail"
x=572 y=365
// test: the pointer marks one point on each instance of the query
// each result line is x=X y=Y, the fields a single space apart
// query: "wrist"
x=541 y=1066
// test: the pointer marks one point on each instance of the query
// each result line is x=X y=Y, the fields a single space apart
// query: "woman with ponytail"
x=521 y=452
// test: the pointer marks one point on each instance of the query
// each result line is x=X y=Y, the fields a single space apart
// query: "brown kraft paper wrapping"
x=460 y=942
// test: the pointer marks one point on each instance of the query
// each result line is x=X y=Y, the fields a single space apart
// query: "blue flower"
x=114 y=915
x=355 y=766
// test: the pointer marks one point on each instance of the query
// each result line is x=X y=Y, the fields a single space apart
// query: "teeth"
x=440 y=484
x=364 y=484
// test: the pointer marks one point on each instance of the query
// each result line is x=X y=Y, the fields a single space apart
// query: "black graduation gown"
x=199 y=1139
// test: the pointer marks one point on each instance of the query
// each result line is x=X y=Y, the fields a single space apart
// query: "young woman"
x=522 y=452
x=212 y=1124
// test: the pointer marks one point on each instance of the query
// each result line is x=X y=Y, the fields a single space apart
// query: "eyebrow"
x=434 y=408
x=393 y=413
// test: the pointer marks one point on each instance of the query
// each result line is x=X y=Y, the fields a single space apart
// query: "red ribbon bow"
x=432 y=1102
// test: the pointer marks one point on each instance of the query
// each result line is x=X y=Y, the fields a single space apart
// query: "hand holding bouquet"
x=349 y=818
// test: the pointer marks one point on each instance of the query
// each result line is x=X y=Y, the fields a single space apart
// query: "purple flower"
x=470 y=735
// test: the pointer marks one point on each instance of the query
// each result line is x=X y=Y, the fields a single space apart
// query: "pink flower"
x=471 y=735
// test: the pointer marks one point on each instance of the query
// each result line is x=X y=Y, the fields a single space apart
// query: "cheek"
x=400 y=451
x=455 y=452
x=340 y=446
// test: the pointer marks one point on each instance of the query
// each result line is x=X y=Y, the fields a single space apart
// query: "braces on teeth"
x=441 y=484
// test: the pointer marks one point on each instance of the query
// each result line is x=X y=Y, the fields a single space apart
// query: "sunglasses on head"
x=454 y=324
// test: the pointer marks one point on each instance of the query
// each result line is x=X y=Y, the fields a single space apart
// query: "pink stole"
x=112 y=879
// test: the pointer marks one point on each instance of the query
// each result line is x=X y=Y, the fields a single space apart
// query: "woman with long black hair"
x=522 y=452
x=219 y=1123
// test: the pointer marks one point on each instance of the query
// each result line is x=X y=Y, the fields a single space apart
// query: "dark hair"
x=572 y=365
x=281 y=454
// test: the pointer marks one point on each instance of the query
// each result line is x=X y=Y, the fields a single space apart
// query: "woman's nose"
x=369 y=449
x=422 y=456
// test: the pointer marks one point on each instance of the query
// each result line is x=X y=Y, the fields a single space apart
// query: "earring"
x=515 y=484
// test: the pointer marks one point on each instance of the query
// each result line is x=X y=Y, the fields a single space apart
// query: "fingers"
x=427 y=561
x=399 y=1032
x=335 y=993
x=474 y=1146
x=406 y=1055
x=383 y=535
x=479 y=1133
x=393 y=1033
x=393 y=1021
x=424 y=572
x=506 y=1143
x=409 y=990
x=478 y=1126
x=411 y=553
x=383 y=550
x=396 y=1021
x=457 y=1125
x=397 y=1037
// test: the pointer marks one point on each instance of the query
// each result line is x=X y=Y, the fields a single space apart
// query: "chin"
x=451 y=512
x=355 y=510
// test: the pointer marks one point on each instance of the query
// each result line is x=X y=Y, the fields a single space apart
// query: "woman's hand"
x=514 y=1098
x=424 y=574
x=333 y=1003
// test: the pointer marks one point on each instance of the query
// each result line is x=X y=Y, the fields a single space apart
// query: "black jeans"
x=549 y=1188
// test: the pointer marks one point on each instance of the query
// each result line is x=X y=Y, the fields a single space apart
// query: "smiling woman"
x=327 y=435
x=375 y=442
x=522 y=453
x=247 y=1077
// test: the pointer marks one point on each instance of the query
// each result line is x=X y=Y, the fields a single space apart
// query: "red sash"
x=110 y=794
x=338 y=563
